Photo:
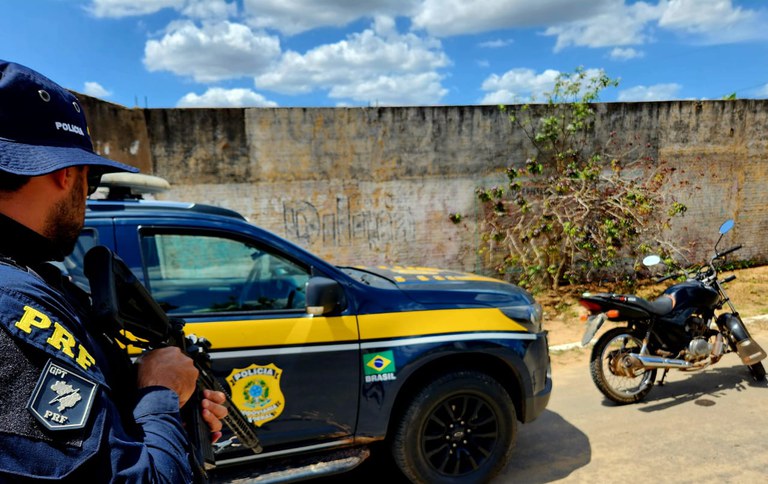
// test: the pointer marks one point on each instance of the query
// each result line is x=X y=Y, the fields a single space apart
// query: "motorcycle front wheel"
x=612 y=377
x=757 y=371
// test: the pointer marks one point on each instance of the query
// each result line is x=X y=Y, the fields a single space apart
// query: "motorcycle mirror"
x=726 y=227
x=651 y=260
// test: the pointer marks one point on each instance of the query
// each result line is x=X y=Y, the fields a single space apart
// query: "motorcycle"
x=678 y=330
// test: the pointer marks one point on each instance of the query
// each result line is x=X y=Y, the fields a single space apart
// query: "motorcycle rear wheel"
x=619 y=384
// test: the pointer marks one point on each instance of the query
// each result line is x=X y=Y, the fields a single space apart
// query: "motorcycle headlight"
x=528 y=315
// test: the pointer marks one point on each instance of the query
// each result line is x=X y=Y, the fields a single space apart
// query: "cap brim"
x=34 y=160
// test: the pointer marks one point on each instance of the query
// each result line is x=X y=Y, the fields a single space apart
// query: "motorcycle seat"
x=660 y=306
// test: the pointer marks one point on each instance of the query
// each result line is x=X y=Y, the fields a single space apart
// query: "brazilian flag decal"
x=379 y=366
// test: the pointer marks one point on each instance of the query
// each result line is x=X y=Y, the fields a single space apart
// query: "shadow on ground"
x=703 y=388
x=547 y=449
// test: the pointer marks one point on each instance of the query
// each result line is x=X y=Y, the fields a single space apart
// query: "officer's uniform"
x=69 y=404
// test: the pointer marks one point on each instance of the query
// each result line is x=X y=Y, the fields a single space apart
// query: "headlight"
x=528 y=315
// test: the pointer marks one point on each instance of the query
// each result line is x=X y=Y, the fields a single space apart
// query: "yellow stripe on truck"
x=397 y=325
x=255 y=333
x=275 y=332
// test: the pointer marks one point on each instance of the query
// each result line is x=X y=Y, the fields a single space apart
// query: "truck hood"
x=428 y=285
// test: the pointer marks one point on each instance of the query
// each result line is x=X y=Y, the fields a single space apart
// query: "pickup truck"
x=436 y=366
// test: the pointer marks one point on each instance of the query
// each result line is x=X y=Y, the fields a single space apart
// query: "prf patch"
x=379 y=367
x=41 y=328
x=62 y=399
x=256 y=392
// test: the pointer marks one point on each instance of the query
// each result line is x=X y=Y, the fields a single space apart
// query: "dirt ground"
x=562 y=312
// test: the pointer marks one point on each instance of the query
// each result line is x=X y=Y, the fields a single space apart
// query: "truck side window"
x=197 y=273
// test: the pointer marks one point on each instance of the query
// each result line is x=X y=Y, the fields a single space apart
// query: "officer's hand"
x=170 y=368
x=213 y=412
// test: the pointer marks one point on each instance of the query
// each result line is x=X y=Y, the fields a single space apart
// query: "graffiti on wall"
x=341 y=227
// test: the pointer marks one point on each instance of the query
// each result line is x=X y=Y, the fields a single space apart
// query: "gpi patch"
x=62 y=399
x=256 y=392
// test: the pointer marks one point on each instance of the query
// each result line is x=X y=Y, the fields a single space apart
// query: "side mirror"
x=726 y=227
x=324 y=296
x=651 y=260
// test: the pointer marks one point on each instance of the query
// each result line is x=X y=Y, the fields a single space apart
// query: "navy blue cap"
x=42 y=126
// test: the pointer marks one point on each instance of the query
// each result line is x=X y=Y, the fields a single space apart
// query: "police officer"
x=72 y=405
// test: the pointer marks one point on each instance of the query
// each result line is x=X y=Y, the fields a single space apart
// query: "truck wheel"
x=460 y=428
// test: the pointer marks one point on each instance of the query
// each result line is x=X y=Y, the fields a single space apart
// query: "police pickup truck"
x=436 y=366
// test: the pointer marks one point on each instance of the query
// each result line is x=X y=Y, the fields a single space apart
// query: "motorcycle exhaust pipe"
x=646 y=361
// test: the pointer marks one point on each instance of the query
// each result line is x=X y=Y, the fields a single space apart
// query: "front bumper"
x=537 y=359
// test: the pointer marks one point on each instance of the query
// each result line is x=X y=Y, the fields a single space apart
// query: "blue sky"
x=328 y=53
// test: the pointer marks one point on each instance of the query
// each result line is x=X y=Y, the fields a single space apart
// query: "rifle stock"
x=123 y=304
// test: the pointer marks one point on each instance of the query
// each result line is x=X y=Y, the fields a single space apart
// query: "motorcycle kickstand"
x=661 y=382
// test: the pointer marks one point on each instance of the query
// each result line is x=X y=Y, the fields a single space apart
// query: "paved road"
x=710 y=426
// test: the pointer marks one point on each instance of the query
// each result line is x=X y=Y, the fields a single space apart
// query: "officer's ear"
x=66 y=177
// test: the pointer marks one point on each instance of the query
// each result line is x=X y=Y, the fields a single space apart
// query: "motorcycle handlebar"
x=728 y=279
x=665 y=278
x=728 y=251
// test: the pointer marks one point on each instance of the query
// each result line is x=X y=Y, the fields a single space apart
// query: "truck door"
x=295 y=376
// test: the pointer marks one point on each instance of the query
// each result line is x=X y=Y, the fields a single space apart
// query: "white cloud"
x=619 y=53
x=219 y=97
x=496 y=44
x=526 y=85
x=700 y=15
x=456 y=17
x=518 y=85
x=96 y=90
x=213 y=52
x=295 y=16
x=209 y=9
x=617 y=25
x=202 y=9
x=378 y=65
x=127 y=8
x=502 y=96
x=399 y=90
x=657 y=92
x=762 y=92
x=715 y=21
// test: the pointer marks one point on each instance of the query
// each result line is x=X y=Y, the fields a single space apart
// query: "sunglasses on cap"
x=94 y=178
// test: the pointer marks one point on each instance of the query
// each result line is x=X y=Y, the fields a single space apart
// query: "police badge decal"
x=256 y=392
x=62 y=399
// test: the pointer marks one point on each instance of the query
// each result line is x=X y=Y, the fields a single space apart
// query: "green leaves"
x=574 y=212
x=677 y=209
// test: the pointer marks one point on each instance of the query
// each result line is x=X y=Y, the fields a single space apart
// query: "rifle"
x=122 y=303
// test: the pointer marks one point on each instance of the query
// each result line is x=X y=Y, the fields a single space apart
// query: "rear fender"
x=619 y=302
x=747 y=348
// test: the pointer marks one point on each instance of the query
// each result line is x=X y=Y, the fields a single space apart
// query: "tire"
x=619 y=384
x=460 y=428
x=739 y=332
x=757 y=371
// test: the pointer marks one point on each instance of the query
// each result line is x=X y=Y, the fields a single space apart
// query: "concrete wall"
x=375 y=185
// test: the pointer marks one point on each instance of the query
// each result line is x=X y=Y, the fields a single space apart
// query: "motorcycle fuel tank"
x=692 y=296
